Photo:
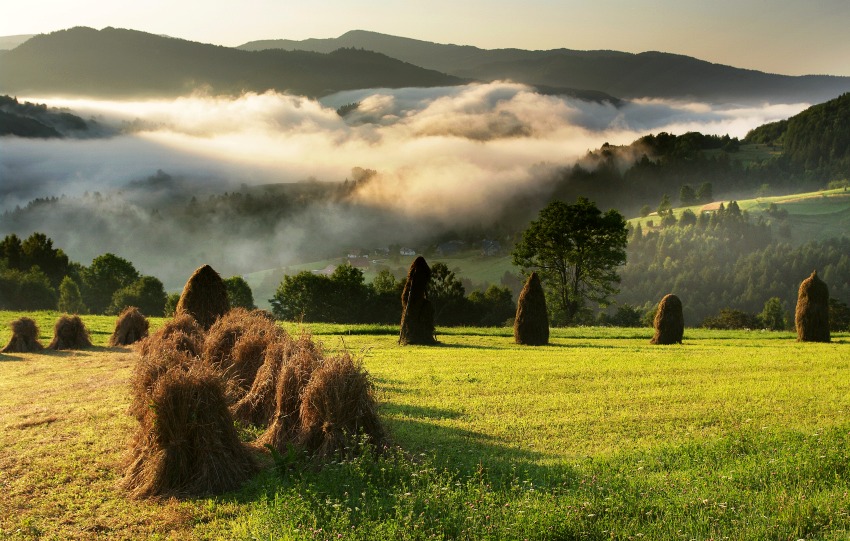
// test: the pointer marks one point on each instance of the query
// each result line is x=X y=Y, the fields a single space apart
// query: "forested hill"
x=118 y=62
x=36 y=120
x=625 y=75
x=818 y=139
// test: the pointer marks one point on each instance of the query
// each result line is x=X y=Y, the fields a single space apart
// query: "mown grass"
x=599 y=435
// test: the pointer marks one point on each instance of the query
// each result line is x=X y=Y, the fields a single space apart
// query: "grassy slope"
x=733 y=434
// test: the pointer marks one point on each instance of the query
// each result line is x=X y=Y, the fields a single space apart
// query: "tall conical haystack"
x=337 y=407
x=417 y=312
x=24 y=337
x=204 y=297
x=70 y=333
x=236 y=345
x=531 y=324
x=669 y=321
x=130 y=327
x=812 y=314
x=186 y=443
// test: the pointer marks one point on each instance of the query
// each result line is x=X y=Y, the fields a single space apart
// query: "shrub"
x=24 y=337
x=669 y=321
x=204 y=297
x=812 y=314
x=70 y=333
x=531 y=324
x=130 y=327
x=729 y=319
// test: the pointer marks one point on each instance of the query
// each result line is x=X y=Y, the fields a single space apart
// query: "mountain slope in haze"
x=118 y=62
x=10 y=42
x=626 y=75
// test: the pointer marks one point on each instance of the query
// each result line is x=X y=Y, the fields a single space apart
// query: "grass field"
x=738 y=435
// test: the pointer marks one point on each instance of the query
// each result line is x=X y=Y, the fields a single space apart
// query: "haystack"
x=131 y=327
x=417 y=312
x=204 y=297
x=812 y=314
x=338 y=406
x=186 y=444
x=531 y=324
x=70 y=333
x=236 y=345
x=190 y=336
x=669 y=322
x=258 y=406
x=161 y=354
x=24 y=337
x=292 y=380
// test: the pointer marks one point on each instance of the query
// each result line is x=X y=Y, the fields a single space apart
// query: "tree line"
x=34 y=275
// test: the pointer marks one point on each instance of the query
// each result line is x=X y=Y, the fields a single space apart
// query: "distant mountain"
x=117 y=62
x=10 y=42
x=626 y=75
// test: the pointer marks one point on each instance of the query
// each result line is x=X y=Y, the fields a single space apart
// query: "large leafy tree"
x=576 y=250
x=239 y=293
x=107 y=274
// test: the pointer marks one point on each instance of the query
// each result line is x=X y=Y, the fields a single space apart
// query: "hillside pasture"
x=733 y=434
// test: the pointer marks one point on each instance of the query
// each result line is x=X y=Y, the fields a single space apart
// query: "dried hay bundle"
x=257 y=407
x=236 y=345
x=812 y=315
x=204 y=297
x=190 y=336
x=669 y=321
x=161 y=354
x=417 y=312
x=292 y=380
x=338 y=405
x=531 y=324
x=70 y=333
x=24 y=337
x=131 y=327
x=186 y=444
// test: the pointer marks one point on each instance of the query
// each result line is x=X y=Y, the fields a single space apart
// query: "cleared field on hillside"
x=742 y=435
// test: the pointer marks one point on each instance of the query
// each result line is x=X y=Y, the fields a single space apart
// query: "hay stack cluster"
x=531 y=324
x=131 y=327
x=669 y=321
x=184 y=399
x=204 y=297
x=417 y=312
x=24 y=337
x=70 y=333
x=812 y=315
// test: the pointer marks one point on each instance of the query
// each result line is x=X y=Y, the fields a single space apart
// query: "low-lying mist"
x=446 y=159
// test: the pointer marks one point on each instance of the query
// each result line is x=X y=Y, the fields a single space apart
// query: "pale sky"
x=791 y=37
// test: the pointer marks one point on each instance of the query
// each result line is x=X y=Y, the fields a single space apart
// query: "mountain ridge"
x=626 y=75
x=121 y=62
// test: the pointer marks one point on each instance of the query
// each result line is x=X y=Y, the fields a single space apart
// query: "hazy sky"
x=782 y=36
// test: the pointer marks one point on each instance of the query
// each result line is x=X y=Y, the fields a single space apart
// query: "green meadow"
x=731 y=435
